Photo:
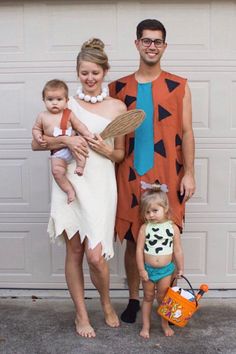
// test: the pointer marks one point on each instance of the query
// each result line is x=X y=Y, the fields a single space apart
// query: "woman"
x=87 y=224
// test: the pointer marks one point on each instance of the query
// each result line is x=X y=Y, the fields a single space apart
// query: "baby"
x=59 y=120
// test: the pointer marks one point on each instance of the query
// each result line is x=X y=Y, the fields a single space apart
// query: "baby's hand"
x=143 y=275
x=41 y=141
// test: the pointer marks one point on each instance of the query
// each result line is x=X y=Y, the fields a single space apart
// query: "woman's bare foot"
x=84 y=329
x=70 y=196
x=166 y=328
x=111 y=317
x=145 y=333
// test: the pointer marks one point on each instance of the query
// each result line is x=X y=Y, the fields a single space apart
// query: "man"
x=161 y=149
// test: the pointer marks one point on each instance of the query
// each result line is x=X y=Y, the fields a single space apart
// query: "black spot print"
x=158 y=237
x=152 y=243
x=165 y=242
x=155 y=230
x=169 y=233
x=158 y=249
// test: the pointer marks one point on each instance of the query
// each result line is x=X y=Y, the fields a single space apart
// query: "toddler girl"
x=158 y=241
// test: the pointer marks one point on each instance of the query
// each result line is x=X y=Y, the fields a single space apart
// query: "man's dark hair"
x=152 y=25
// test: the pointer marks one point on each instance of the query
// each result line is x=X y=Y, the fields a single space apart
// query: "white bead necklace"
x=92 y=99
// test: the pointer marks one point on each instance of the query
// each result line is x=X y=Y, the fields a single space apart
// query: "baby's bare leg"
x=80 y=163
x=59 y=168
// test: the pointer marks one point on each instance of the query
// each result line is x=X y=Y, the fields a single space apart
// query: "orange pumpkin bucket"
x=177 y=309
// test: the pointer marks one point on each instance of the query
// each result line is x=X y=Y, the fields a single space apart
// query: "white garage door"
x=40 y=41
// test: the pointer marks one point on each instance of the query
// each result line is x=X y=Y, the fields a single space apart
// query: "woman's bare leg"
x=99 y=273
x=75 y=282
x=162 y=287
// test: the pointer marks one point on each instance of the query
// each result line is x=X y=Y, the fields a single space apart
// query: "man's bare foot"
x=70 y=196
x=84 y=329
x=79 y=171
x=111 y=317
x=166 y=328
x=144 y=333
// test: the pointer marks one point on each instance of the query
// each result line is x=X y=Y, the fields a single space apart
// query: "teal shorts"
x=155 y=274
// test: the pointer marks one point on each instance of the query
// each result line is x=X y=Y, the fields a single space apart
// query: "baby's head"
x=154 y=205
x=55 y=96
x=56 y=85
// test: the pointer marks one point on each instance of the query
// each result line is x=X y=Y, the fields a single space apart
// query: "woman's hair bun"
x=93 y=43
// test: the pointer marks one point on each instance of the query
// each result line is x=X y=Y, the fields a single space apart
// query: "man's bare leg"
x=133 y=280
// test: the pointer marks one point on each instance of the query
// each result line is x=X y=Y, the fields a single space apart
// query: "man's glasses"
x=147 y=42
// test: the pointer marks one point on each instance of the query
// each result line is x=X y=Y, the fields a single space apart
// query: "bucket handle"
x=182 y=276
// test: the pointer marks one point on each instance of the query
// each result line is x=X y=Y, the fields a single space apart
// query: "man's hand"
x=187 y=186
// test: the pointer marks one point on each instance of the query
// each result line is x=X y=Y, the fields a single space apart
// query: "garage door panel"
x=195 y=251
x=12 y=20
x=231 y=253
x=25 y=183
x=205 y=261
x=215 y=180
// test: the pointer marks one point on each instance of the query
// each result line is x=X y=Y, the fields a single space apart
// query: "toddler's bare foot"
x=111 y=317
x=84 y=329
x=144 y=333
x=70 y=196
x=166 y=328
x=79 y=171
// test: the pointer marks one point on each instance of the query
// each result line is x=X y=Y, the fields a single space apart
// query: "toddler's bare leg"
x=162 y=287
x=59 y=168
x=149 y=295
x=80 y=163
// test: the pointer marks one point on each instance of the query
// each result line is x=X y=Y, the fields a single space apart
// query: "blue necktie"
x=144 y=141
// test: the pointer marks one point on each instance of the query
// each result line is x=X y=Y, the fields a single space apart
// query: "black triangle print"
x=131 y=146
x=159 y=147
x=134 y=201
x=129 y=100
x=180 y=197
x=132 y=175
x=172 y=84
x=178 y=167
x=157 y=181
x=178 y=140
x=119 y=86
x=163 y=113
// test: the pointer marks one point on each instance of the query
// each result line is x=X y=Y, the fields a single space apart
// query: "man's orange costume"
x=168 y=91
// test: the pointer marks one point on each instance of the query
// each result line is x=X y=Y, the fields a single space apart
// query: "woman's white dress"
x=93 y=211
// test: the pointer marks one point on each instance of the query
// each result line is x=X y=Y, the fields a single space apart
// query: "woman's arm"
x=178 y=252
x=139 y=253
x=77 y=144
